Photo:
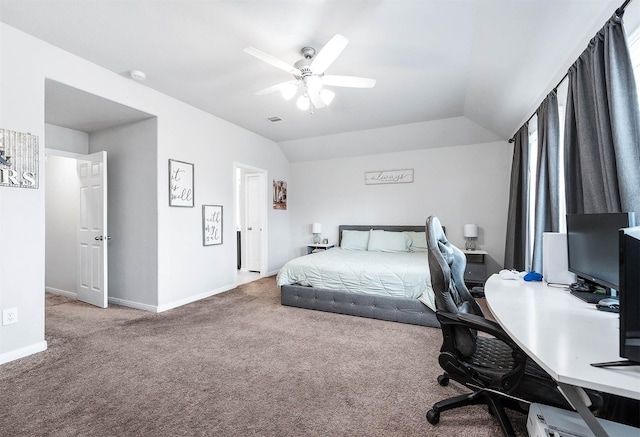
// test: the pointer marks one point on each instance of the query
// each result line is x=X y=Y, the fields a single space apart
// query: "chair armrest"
x=479 y=323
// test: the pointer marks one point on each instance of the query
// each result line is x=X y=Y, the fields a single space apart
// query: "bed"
x=380 y=272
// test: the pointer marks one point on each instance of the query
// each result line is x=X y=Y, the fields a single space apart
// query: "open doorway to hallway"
x=250 y=211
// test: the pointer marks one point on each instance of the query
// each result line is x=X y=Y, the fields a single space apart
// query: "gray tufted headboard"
x=393 y=228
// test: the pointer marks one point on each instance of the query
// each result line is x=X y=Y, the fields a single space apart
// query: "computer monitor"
x=629 y=293
x=592 y=246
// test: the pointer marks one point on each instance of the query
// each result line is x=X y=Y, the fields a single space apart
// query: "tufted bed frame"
x=395 y=309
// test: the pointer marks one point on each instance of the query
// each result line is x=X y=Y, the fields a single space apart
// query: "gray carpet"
x=235 y=364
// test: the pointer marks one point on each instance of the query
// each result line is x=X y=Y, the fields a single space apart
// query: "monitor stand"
x=621 y=363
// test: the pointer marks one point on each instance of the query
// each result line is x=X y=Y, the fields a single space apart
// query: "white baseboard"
x=195 y=298
x=23 y=352
x=144 y=306
x=71 y=294
x=133 y=304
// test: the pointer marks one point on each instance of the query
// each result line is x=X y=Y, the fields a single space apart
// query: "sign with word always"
x=388 y=177
x=18 y=159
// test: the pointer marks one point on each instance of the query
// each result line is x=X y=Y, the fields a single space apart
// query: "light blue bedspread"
x=399 y=274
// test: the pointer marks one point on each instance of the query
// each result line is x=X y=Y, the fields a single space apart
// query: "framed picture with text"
x=211 y=225
x=180 y=184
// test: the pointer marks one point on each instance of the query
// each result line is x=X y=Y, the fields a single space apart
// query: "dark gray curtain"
x=602 y=127
x=516 y=246
x=547 y=202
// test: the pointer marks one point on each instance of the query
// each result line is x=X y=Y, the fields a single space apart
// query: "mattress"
x=396 y=274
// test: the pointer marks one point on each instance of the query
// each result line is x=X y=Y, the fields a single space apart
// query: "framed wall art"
x=18 y=159
x=211 y=225
x=379 y=177
x=279 y=195
x=180 y=184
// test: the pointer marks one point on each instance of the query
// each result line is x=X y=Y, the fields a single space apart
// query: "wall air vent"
x=275 y=119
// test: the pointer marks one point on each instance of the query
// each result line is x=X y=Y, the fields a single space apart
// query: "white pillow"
x=383 y=241
x=418 y=241
x=354 y=240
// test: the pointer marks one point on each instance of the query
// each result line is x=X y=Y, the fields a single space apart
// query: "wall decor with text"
x=180 y=183
x=18 y=159
x=211 y=225
x=388 y=177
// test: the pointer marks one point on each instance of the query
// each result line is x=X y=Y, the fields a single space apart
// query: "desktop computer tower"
x=546 y=421
x=555 y=260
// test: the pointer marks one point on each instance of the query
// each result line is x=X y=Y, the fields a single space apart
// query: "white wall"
x=132 y=220
x=186 y=270
x=459 y=184
x=65 y=139
x=62 y=186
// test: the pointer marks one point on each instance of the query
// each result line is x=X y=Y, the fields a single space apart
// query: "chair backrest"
x=446 y=265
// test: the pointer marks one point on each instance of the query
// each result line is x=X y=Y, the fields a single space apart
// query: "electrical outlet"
x=9 y=316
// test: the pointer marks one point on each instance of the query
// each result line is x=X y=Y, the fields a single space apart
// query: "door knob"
x=249 y=229
x=99 y=238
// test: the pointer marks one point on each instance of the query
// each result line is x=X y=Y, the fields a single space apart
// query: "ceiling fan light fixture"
x=327 y=96
x=288 y=91
x=309 y=75
x=303 y=103
x=314 y=84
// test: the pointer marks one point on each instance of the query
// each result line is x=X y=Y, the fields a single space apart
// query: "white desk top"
x=563 y=334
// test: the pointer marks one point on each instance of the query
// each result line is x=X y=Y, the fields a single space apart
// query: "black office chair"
x=497 y=371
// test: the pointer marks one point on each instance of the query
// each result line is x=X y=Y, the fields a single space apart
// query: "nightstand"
x=312 y=248
x=476 y=271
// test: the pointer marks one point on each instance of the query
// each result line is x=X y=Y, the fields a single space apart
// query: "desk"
x=564 y=335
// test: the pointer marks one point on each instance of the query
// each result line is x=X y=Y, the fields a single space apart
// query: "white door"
x=92 y=230
x=253 y=210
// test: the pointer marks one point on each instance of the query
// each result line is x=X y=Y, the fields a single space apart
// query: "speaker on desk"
x=555 y=260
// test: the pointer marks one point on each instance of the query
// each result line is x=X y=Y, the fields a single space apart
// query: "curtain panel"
x=602 y=127
x=516 y=244
x=547 y=201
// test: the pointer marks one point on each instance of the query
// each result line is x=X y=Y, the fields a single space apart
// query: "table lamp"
x=316 y=230
x=470 y=234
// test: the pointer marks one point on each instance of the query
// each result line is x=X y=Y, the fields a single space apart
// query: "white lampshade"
x=303 y=103
x=470 y=231
x=327 y=96
x=316 y=228
x=314 y=84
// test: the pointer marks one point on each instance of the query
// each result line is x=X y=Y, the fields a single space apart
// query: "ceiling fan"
x=309 y=77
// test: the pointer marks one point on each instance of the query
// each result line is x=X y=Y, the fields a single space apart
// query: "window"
x=562 y=91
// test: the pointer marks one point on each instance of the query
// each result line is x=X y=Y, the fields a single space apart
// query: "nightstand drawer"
x=475 y=272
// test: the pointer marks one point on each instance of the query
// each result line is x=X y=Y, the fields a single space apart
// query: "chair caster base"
x=443 y=380
x=433 y=417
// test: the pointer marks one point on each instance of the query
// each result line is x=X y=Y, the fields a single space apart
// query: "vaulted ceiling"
x=489 y=61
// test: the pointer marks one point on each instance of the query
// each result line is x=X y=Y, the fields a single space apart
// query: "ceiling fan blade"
x=265 y=57
x=328 y=54
x=316 y=100
x=274 y=88
x=348 y=81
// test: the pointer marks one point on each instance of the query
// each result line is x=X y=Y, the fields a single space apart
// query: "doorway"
x=75 y=222
x=78 y=124
x=250 y=211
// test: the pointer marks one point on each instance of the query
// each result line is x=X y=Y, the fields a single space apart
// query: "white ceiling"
x=489 y=61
